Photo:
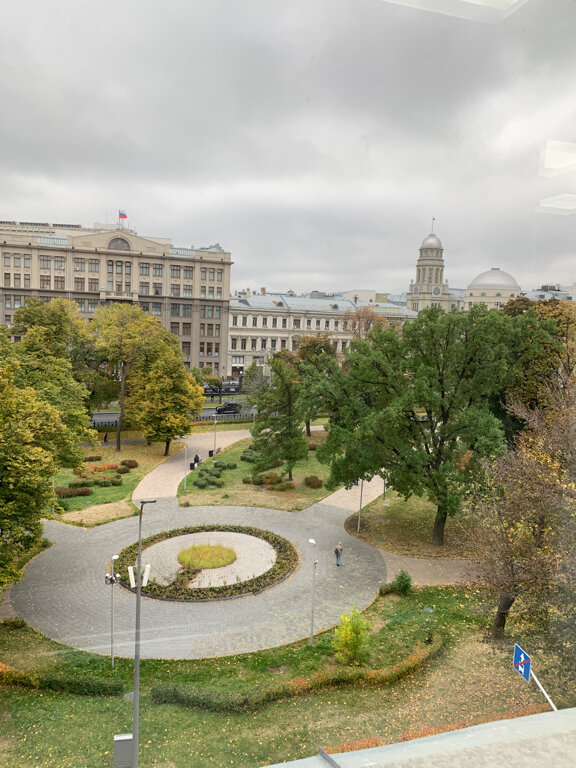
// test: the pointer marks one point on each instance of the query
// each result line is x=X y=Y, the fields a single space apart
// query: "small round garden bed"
x=182 y=583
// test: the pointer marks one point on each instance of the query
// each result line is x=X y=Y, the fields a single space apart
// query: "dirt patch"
x=277 y=670
x=100 y=513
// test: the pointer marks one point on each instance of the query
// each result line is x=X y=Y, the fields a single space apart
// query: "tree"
x=362 y=321
x=352 y=638
x=67 y=337
x=415 y=407
x=254 y=382
x=129 y=338
x=313 y=350
x=277 y=429
x=32 y=436
x=163 y=399
x=522 y=507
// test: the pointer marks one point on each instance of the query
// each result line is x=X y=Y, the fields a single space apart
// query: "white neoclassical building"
x=493 y=288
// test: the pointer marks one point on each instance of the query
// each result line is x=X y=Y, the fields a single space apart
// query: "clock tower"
x=428 y=288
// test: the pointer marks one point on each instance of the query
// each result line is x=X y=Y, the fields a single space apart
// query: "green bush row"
x=83 y=686
x=63 y=493
x=254 y=698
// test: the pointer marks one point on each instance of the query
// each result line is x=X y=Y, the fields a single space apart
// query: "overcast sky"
x=314 y=139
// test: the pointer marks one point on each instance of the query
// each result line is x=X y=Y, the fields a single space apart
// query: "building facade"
x=262 y=324
x=188 y=289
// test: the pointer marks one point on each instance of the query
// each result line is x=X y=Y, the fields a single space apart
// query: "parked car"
x=208 y=390
x=228 y=408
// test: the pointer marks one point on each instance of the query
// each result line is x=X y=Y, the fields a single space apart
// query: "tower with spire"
x=429 y=288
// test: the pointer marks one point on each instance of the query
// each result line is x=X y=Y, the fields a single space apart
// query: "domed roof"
x=495 y=278
x=431 y=242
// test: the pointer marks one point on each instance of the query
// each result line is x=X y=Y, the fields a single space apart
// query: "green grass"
x=239 y=493
x=65 y=731
x=405 y=528
x=207 y=556
x=147 y=456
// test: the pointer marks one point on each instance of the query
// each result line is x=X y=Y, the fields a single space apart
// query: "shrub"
x=64 y=493
x=116 y=481
x=247 y=480
x=14 y=622
x=199 y=482
x=231 y=465
x=220 y=464
x=402 y=584
x=84 y=686
x=64 y=505
x=313 y=481
x=312 y=447
x=257 y=480
x=104 y=483
x=218 y=483
x=130 y=463
x=270 y=478
x=123 y=470
x=249 y=455
x=351 y=638
x=93 y=458
x=76 y=484
x=78 y=471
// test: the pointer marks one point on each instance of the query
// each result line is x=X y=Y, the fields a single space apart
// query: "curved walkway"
x=64 y=596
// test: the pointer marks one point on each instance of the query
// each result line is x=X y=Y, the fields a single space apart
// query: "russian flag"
x=122 y=215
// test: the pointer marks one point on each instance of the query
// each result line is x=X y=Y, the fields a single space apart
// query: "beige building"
x=493 y=287
x=188 y=289
x=262 y=324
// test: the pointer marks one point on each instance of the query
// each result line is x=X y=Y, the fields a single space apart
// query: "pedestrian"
x=338 y=552
x=196 y=459
x=105 y=437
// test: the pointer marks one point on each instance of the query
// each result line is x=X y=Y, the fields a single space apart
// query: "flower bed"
x=286 y=562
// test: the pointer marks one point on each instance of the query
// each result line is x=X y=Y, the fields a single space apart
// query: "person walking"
x=105 y=437
x=338 y=552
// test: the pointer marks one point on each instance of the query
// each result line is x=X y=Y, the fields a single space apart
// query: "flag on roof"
x=122 y=215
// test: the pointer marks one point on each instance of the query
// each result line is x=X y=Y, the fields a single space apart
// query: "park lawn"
x=65 y=731
x=238 y=493
x=405 y=528
x=147 y=456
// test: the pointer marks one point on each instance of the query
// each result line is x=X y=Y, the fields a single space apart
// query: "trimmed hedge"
x=252 y=699
x=313 y=481
x=64 y=493
x=130 y=463
x=92 y=458
x=123 y=470
x=82 y=686
x=286 y=561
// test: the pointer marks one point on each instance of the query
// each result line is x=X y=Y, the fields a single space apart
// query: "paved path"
x=64 y=596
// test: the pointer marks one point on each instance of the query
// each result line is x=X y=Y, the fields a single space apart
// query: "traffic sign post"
x=523 y=665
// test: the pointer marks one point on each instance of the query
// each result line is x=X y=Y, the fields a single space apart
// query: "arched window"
x=119 y=244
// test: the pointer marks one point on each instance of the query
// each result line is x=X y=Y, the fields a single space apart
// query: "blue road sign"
x=522 y=662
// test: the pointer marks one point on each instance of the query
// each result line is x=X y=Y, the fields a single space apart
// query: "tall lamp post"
x=360 y=507
x=136 y=709
x=112 y=578
x=313 y=542
x=215 y=422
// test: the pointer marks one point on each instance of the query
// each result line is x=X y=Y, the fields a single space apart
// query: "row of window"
x=262 y=344
x=209 y=349
x=119 y=267
x=433 y=272
x=17 y=260
x=297 y=323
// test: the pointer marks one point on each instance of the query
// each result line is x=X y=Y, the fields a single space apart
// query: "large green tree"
x=130 y=341
x=415 y=407
x=313 y=351
x=67 y=337
x=277 y=429
x=33 y=442
x=164 y=398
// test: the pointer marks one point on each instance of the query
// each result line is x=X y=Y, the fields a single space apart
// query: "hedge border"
x=52 y=681
x=251 y=700
x=286 y=563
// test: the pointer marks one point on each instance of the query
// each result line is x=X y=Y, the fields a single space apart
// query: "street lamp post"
x=215 y=422
x=360 y=507
x=313 y=542
x=185 y=463
x=136 y=708
x=112 y=578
